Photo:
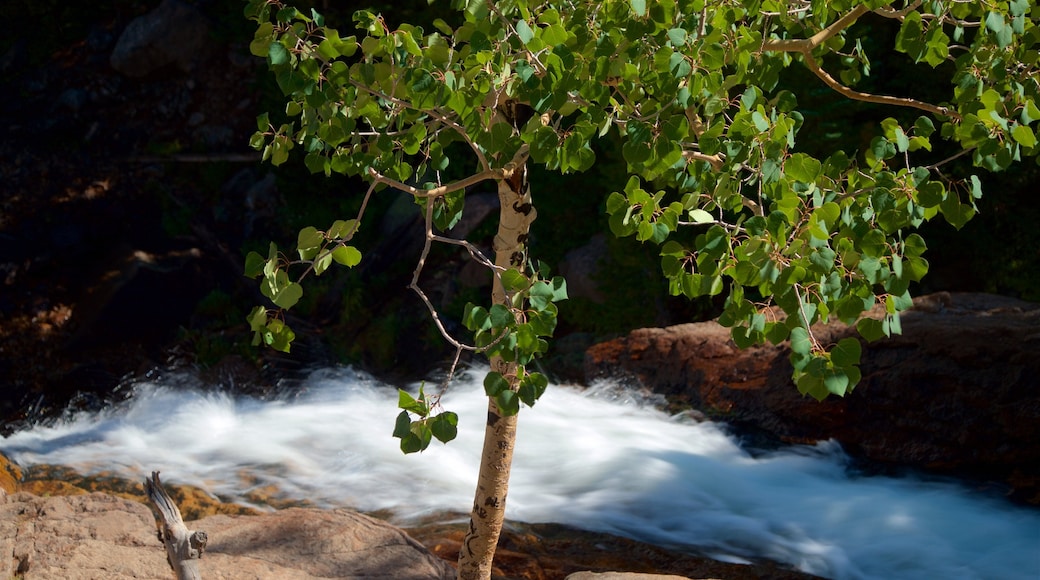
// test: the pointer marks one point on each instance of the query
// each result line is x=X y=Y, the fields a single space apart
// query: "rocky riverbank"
x=55 y=523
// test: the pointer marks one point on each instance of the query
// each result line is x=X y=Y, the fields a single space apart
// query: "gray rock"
x=172 y=34
x=100 y=536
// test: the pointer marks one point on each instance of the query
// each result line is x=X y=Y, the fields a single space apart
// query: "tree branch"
x=497 y=174
x=898 y=14
x=715 y=160
x=811 y=63
x=429 y=237
x=433 y=113
x=439 y=191
x=805 y=46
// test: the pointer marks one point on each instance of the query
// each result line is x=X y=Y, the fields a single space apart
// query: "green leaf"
x=760 y=121
x=402 y=426
x=495 y=383
x=1024 y=136
x=998 y=26
x=322 y=263
x=411 y=404
x=277 y=54
x=342 y=229
x=523 y=30
x=445 y=426
x=278 y=336
x=871 y=329
x=847 y=352
x=532 y=387
x=475 y=318
x=802 y=167
x=514 y=281
x=811 y=381
x=639 y=7
x=836 y=381
x=679 y=66
x=800 y=342
x=261 y=43
x=258 y=319
x=415 y=436
x=700 y=216
x=309 y=237
x=288 y=296
x=501 y=316
x=348 y=256
x=508 y=402
x=1030 y=112
x=254 y=264
x=558 y=288
x=677 y=36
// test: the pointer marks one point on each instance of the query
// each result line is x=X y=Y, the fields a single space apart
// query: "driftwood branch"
x=183 y=547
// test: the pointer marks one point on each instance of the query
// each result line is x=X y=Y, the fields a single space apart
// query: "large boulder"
x=84 y=537
x=175 y=33
x=954 y=394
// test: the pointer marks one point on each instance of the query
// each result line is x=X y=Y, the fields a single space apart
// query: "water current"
x=601 y=458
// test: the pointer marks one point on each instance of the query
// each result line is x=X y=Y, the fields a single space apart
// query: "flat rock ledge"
x=86 y=537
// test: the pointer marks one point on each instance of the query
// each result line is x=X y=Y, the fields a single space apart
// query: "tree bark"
x=183 y=547
x=489 y=502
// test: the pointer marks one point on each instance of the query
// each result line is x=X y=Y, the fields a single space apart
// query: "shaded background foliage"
x=57 y=239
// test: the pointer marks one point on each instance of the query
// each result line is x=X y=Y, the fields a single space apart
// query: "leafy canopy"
x=692 y=91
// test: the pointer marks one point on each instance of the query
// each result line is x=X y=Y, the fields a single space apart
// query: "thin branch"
x=807 y=45
x=810 y=62
x=433 y=113
x=898 y=14
x=490 y=174
x=509 y=25
x=414 y=285
x=950 y=158
x=808 y=326
x=716 y=161
x=429 y=237
x=474 y=252
x=496 y=174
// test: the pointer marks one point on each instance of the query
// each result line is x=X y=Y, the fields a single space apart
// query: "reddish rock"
x=555 y=552
x=954 y=394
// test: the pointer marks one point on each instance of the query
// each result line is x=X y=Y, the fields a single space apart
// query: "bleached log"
x=184 y=547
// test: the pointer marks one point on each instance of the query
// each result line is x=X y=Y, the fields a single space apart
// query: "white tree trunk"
x=489 y=502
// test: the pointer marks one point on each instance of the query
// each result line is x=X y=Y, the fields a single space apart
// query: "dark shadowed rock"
x=172 y=34
x=582 y=265
x=954 y=394
x=86 y=537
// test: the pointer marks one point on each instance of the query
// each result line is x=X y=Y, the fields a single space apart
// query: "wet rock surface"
x=955 y=394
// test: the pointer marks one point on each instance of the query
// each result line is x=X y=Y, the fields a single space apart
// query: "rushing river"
x=599 y=459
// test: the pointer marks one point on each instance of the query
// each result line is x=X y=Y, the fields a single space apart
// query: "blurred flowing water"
x=601 y=458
